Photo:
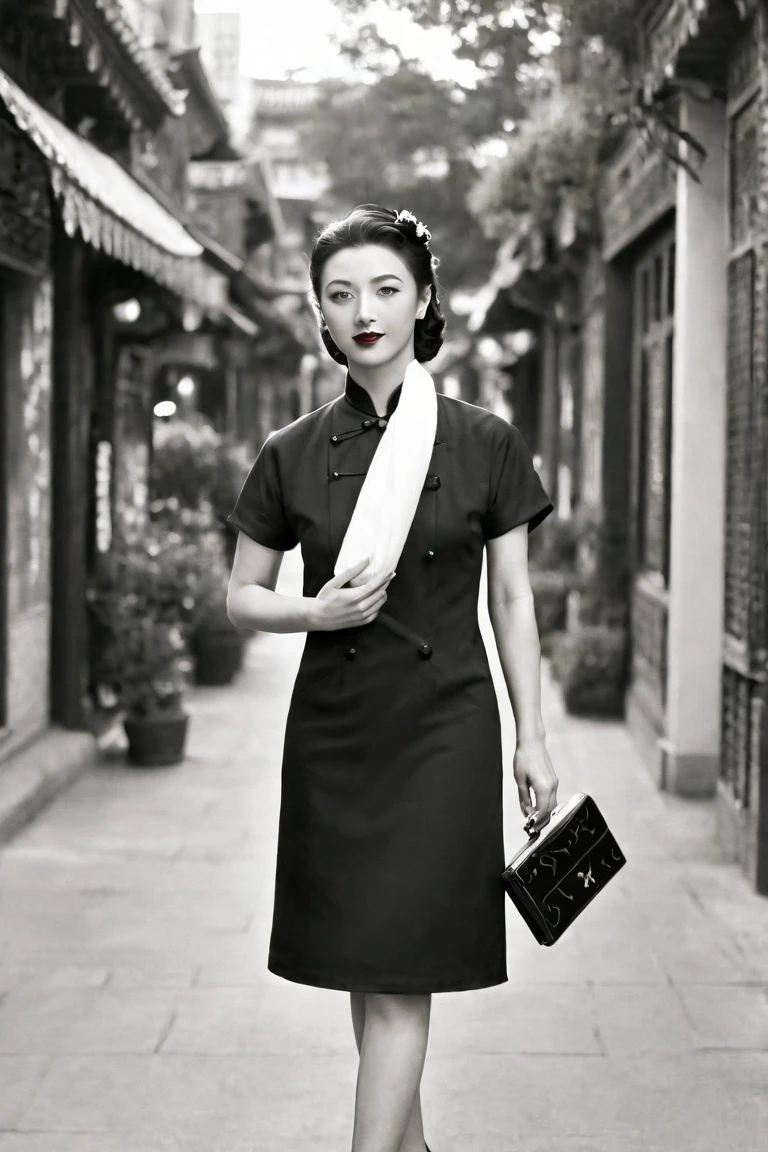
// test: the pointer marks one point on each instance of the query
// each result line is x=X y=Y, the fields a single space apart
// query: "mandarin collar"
x=359 y=398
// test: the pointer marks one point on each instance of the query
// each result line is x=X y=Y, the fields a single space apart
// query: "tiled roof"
x=114 y=16
x=672 y=29
x=282 y=95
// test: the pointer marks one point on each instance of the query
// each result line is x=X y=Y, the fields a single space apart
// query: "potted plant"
x=218 y=647
x=194 y=466
x=144 y=602
x=591 y=667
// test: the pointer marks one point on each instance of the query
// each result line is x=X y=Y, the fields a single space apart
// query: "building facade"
x=652 y=401
x=91 y=265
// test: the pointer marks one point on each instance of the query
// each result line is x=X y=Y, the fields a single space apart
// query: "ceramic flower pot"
x=218 y=656
x=157 y=741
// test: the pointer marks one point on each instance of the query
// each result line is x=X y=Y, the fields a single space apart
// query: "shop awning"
x=234 y=267
x=241 y=322
x=101 y=200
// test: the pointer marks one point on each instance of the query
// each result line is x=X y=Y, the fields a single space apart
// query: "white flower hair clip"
x=405 y=217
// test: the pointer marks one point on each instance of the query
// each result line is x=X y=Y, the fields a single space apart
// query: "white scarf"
x=390 y=493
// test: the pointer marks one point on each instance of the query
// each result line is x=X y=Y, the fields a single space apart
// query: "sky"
x=280 y=35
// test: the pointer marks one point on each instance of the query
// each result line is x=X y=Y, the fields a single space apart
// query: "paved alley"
x=137 y=1014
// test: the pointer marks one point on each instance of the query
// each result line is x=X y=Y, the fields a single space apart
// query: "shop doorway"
x=652 y=359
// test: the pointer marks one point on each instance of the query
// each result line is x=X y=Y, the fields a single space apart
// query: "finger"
x=372 y=586
x=348 y=574
x=375 y=606
x=524 y=796
x=378 y=599
x=544 y=812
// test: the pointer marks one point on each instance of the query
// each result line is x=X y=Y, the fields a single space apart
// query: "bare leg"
x=391 y=1033
x=413 y=1140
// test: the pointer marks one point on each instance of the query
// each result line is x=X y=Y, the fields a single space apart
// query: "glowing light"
x=521 y=341
x=185 y=386
x=490 y=350
x=164 y=408
x=127 y=311
x=192 y=317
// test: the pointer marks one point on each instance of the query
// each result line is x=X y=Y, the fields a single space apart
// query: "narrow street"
x=137 y=1014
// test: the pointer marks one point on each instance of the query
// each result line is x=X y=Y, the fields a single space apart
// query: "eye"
x=339 y=294
x=388 y=288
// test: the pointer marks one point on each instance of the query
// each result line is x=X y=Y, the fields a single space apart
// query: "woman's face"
x=370 y=302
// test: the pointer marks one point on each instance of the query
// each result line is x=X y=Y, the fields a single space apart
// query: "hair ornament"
x=405 y=217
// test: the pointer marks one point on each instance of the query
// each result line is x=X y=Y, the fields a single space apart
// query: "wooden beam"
x=71 y=411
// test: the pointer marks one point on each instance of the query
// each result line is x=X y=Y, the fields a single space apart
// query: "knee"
x=394 y=1007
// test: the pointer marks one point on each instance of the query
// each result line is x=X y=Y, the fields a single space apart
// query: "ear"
x=424 y=304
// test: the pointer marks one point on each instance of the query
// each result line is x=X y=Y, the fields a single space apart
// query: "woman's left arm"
x=510 y=606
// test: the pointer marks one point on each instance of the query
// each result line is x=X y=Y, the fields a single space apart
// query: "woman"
x=390 y=847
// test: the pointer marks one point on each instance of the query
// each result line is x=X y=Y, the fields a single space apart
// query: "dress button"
x=429 y=555
x=425 y=650
x=367 y=423
x=334 y=439
x=432 y=483
x=350 y=653
x=335 y=475
x=382 y=423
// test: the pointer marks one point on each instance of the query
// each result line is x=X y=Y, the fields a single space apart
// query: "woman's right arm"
x=254 y=606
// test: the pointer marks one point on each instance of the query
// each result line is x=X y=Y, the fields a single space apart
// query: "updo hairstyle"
x=372 y=224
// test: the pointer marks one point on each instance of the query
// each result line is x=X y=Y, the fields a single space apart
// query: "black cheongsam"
x=390 y=842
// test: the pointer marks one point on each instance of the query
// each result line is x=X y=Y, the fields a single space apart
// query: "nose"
x=366 y=312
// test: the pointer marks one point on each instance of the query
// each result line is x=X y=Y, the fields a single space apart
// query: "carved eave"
x=639 y=188
x=189 y=73
x=115 y=56
x=690 y=40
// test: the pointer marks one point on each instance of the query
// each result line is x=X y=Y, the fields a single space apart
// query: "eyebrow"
x=376 y=279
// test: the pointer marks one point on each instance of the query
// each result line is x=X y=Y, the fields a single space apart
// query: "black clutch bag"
x=562 y=868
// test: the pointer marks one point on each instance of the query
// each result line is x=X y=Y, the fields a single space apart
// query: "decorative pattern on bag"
x=560 y=871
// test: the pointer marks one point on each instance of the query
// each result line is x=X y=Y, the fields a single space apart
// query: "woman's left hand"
x=533 y=769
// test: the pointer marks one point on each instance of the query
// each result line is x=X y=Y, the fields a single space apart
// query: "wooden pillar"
x=617 y=403
x=549 y=409
x=695 y=620
x=71 y=407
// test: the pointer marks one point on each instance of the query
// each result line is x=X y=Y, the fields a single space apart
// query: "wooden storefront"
x=720 y=48
x=25 y=442
x=638 y=250
x=77 y=234
x=743 y=783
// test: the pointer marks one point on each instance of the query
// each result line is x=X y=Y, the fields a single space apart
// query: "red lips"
x=368 y=337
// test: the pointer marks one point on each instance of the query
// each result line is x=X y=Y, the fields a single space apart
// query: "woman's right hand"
x=338 y=607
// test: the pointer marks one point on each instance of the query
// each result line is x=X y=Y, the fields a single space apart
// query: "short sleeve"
x=259 y=510
x=516 y=494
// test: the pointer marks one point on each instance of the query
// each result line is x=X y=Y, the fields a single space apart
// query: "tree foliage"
x=412 y=141
x=549 y=162
x=405 y=141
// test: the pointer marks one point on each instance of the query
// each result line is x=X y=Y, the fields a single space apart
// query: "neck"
x=380 y=380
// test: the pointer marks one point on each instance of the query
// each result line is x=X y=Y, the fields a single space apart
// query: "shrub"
x=146 y=602
x=591 y=668
x=550 y=598
x=197 y=467
x=554 y=544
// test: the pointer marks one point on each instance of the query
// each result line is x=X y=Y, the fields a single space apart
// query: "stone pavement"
x=137 y=1014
